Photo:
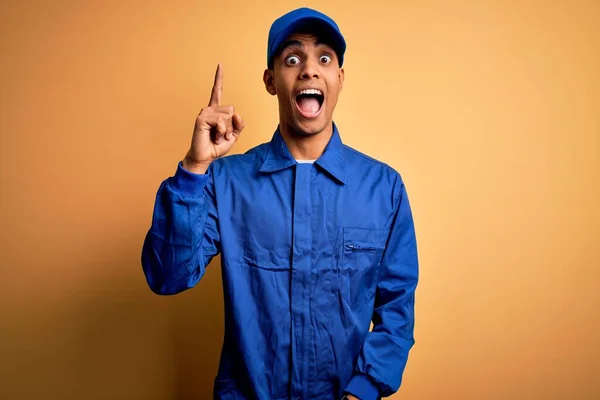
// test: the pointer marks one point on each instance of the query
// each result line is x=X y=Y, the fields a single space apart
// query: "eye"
x=292 y=60
x=325 y=59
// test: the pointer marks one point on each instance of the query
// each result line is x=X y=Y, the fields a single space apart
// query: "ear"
x=268 y=80
x=341 y=78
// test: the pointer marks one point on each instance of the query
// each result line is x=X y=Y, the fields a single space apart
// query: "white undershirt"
x=306 y=161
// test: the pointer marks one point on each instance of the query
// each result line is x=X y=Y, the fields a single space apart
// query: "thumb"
x=238 y=124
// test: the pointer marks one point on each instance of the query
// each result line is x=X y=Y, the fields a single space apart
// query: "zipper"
x=358 y=247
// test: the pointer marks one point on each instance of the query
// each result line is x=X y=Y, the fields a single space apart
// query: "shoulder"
x=245 y=161
x=358 y=162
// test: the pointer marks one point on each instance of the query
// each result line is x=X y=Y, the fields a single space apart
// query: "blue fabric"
x=310 y=254
x=306 y=20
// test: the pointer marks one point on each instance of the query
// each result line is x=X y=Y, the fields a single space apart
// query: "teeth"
x=311 y=91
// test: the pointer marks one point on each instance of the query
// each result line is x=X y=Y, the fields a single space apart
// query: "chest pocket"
x=362 y=253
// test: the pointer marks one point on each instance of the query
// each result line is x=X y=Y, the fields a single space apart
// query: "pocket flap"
x=368 y=239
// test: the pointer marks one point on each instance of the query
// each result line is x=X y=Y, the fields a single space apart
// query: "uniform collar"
x=332 y=161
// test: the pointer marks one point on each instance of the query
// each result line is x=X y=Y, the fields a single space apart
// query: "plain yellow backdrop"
x=490 y=110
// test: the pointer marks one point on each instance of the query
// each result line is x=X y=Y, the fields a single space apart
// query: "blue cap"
x=309 y=21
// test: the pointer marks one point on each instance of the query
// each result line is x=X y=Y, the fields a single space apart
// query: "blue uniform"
x=311 y=254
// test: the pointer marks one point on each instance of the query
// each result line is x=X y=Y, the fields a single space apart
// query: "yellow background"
x=489 y=109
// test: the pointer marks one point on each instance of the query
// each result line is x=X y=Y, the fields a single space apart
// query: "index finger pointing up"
x=215 y=96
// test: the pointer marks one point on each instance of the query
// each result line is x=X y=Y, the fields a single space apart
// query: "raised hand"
x=216 y=130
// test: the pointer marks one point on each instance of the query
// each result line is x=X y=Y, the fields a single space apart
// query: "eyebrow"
x=298 y=44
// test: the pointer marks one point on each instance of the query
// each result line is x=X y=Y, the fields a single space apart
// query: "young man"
x=316 y=239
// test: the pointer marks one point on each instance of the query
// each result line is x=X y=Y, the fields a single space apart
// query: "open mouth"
x=309 y=102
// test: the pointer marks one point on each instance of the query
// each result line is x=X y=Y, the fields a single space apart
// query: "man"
x=316 y=239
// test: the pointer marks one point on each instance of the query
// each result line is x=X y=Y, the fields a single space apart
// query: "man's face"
x=307 y=80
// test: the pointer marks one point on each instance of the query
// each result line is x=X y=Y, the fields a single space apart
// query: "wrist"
x=195 y=167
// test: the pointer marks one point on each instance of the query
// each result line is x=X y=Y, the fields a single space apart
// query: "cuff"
x=363 y=388
x=186 y=182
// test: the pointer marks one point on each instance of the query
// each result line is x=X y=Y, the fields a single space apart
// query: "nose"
x=310 y=69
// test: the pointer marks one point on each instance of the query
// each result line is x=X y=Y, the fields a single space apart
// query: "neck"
x=306 y=147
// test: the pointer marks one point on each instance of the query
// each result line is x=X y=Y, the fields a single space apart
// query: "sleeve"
x=184 y=235
x=384 y=354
